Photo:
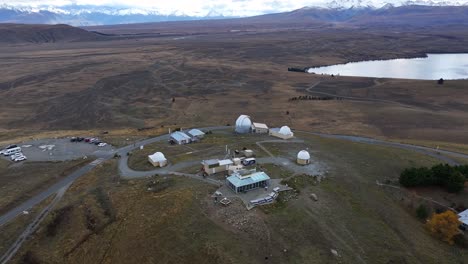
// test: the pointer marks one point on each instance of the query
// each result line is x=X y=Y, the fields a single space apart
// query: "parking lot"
x=61 y=150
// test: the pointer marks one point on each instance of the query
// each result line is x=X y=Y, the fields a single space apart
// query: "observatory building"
x=246 y=181
x=284 y=132
x=157 y=159
x=303 y=157
x=243 y=124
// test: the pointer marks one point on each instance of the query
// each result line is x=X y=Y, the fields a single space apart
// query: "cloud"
x=196 y=7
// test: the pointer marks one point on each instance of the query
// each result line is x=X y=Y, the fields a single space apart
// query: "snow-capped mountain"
x=85 y=15
x=346 y=4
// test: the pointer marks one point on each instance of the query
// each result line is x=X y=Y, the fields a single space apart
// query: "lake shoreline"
x=427 y=66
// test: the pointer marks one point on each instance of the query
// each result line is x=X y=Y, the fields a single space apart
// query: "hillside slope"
x=20 y=33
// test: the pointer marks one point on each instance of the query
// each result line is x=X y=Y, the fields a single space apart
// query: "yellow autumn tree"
x=444 y=226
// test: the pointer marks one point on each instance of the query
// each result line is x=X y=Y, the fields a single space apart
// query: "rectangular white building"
x=259 y=128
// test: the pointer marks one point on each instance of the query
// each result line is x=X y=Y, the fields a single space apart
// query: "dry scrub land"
x=129 y=83
x=105 y=220
x=120 y=85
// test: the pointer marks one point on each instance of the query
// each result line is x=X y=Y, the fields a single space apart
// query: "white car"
x=20 y=158
x=102 y=144
x=16 y=155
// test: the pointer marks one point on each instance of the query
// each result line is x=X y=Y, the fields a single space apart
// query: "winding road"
x=59 y=188
x=353 y=98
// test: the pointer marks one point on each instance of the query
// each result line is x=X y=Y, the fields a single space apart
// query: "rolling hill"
x=21 y=33
x=414 y=16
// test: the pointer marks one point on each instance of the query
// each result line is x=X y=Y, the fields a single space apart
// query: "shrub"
x=422 y=212
x=29 y=258
x=455 y=182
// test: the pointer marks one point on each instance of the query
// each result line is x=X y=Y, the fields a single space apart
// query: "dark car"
x=79 y=139
x=73 y=139
x=11 y=146
x=97 y=142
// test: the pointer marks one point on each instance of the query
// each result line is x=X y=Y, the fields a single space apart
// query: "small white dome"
x=285 y=130
x=158 y=156
x=243 y=124
x=303 y=155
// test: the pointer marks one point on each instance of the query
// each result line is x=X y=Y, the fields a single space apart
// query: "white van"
x=8 y=152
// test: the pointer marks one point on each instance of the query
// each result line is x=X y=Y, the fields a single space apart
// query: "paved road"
x=61 y=150
x=60 y=187
x=124 y=170
x=48 y=192
x=33 y=226
x=80 y=172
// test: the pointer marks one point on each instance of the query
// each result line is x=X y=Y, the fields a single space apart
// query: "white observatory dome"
x=303 y=155
x=158 y=156
x=243 y=124
x=285 y=130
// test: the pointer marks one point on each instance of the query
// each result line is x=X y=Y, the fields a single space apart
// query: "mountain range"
x=88 y=15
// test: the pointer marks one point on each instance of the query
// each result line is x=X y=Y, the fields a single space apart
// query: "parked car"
x=73 y=139
x=20 y=158
x=16 y=155
x=79 y=139
x=93 y=140
x=97 y=142
x=102 y=144
x=248 y=162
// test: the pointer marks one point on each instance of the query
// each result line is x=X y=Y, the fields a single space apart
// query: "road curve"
x=55 y=188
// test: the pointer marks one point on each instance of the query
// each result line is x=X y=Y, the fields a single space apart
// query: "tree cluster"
x=444 y=226
x=452 y=178
x=293 y=69
x=316 y=98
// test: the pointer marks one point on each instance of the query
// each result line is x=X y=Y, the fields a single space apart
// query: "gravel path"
x=436 y=153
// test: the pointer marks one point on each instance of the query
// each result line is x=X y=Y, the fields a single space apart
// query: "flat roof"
x=254 y=178
x=225 y=162
x=464 y=217
x=210 y=162
x=260 y=125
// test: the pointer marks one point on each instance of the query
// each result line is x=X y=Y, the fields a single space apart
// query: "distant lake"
x=434 y=67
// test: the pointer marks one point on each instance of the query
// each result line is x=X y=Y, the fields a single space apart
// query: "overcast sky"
x=236 y=7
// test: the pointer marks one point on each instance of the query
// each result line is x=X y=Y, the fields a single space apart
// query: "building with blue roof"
x=196 y=133
x=240 y=182
x=180 y=138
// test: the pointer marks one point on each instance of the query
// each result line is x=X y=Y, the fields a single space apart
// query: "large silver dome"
x=243 y=124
